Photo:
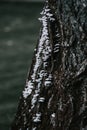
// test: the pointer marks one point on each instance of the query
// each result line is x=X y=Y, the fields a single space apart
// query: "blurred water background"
x=19 y=31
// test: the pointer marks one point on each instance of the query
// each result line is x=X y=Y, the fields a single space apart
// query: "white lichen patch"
x=52 y=118
x=47 y=83
x=45 y=51
x=53 y=115
x=28 y=89
x=37 y=118
x=47 y=13
x=48 y=80
x=56 y=48
x=35 y=96
x=34 y=99
x=42 y=55
x=41 y=99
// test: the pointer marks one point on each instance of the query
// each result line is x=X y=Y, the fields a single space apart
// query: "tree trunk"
x=55 y=95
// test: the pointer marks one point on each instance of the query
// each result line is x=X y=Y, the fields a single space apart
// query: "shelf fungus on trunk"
x=55 y=95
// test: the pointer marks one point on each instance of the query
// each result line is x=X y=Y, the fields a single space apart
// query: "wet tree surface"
x=55 y=95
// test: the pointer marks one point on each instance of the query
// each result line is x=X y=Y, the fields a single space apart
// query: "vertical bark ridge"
x=55 y=95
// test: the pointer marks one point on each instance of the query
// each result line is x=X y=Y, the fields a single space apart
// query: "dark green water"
x=19 y=30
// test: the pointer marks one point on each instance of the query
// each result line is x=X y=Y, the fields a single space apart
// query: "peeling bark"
x=55 y=95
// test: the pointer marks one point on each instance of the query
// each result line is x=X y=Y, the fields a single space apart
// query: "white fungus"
x=53 y=115
x=28 y=90
x=41 y=99
x=37 y=117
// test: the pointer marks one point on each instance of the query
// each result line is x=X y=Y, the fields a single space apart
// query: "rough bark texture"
x=55 y=95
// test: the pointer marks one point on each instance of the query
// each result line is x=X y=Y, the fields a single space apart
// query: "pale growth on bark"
x=37 y=117
x=28 y=89
x=53 y=115
x=41 y=99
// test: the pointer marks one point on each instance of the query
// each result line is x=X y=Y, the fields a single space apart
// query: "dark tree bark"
x=55 y=95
